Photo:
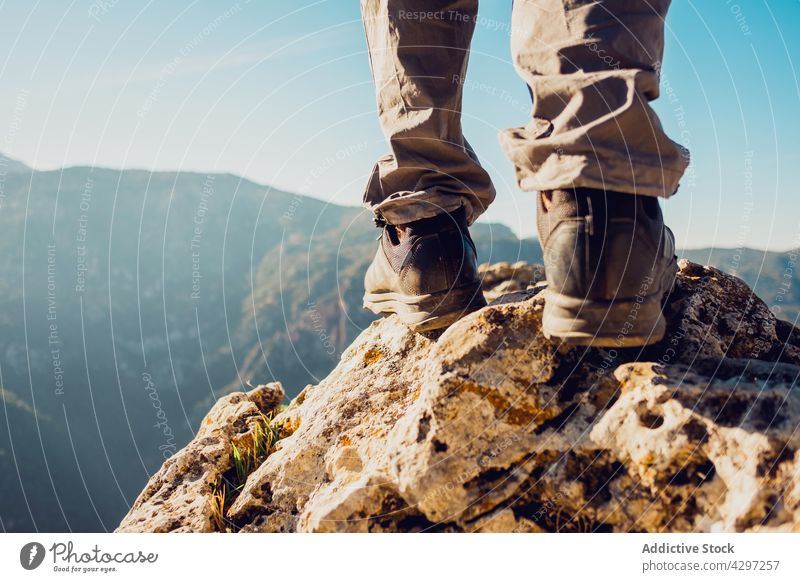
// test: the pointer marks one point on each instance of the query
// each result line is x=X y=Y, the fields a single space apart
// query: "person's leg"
x=597 y=155
x=430 y=186
x=418 y=53
x=592 y=67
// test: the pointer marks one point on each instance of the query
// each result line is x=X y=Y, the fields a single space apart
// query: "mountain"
x=490 y=427
x=11 y=166
x=122 y=296
x=133 y=300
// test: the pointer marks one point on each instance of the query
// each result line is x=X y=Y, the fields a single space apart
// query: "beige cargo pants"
x=591 y=66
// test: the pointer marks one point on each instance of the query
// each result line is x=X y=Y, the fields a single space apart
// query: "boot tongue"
x=446 y=221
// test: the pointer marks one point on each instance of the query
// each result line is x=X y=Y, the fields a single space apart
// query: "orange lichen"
x=371 y=356
x=516 y=415
x=289 y=426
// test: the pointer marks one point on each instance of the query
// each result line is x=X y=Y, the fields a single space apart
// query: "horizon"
x=355 y=207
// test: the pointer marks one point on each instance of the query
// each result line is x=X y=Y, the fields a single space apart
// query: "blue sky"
x=281 y=93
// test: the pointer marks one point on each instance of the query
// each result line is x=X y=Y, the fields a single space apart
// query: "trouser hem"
x=405 y=207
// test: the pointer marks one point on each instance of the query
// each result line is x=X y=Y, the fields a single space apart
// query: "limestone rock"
x=501 y=278
x=492 y=427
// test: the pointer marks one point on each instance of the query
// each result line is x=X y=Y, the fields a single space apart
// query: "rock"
x=501 y=278
x=492 y=427
x=717 y=453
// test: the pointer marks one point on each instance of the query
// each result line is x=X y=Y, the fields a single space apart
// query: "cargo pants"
x=592 y=67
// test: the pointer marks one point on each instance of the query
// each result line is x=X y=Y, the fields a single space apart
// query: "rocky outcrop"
x=182 y=496
x=502 y=278
x=492 y=427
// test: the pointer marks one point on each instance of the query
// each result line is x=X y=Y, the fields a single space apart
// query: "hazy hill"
x=131 y=300
x=10 y=165
x=115 y=325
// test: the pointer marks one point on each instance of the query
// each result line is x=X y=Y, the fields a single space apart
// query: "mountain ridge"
x=230 y=174
x=9 y=164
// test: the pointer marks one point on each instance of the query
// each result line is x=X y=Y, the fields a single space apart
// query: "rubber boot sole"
x=423 y=313
x=620 y=323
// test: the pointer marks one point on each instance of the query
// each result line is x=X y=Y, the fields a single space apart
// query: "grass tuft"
x=246 y=458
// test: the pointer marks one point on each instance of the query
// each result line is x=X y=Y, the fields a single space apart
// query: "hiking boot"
x=609 y=261
x=426 y=272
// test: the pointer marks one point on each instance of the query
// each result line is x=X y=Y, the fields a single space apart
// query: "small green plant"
x=246 y=458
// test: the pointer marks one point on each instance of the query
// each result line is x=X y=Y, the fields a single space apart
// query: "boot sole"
x=422 y=313
x=620 y=323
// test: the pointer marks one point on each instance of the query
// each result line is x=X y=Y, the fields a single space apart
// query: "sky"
x=281 y=93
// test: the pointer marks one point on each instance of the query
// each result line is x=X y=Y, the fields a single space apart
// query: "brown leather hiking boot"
x=609 y=261
x=426 y=272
